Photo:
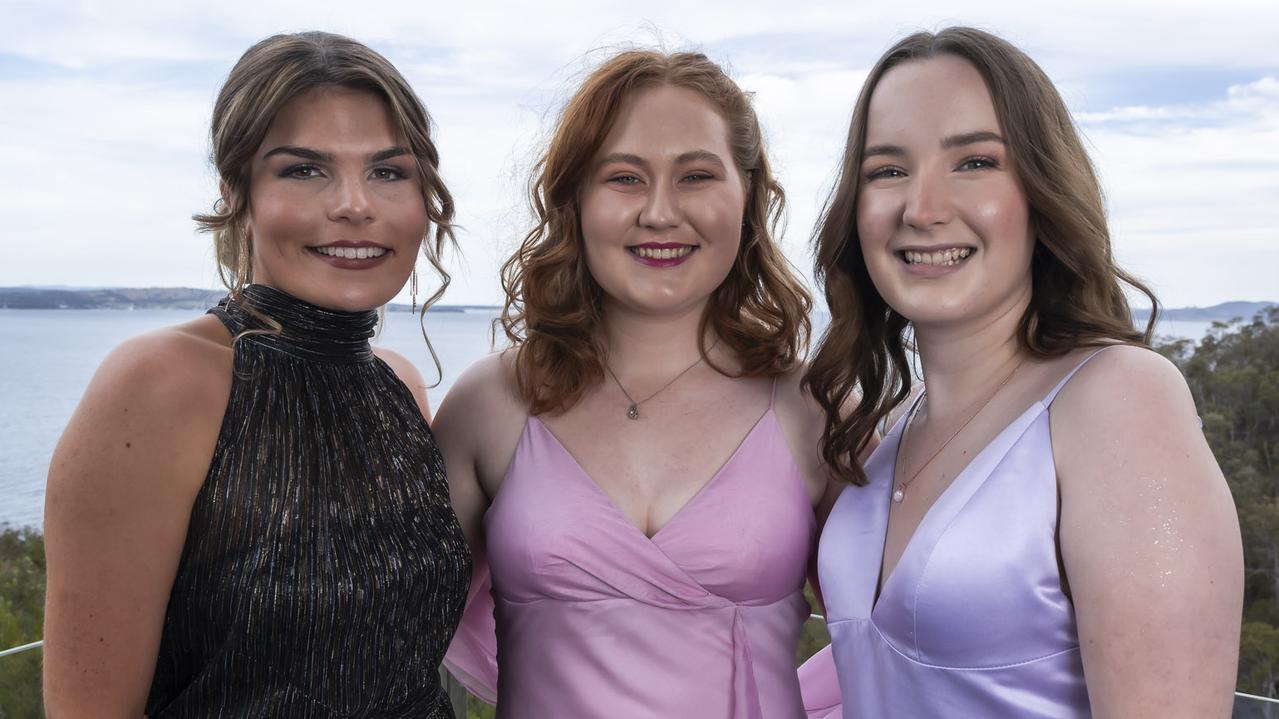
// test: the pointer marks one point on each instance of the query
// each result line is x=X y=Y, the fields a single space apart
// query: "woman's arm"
x=1149 y=539
x=478 y=426
x=121 y=485
x=803 y=421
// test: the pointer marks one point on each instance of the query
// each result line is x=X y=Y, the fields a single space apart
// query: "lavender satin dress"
x=595 y=619
x=973 y=621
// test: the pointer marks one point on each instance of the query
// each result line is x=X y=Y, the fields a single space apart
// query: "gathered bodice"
x=595 y=619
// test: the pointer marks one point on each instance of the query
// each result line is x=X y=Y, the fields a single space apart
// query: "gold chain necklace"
x=632 y=412
x=899 y=492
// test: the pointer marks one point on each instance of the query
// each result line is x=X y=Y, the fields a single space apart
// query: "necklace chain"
x=899 y=492
x=632 y=411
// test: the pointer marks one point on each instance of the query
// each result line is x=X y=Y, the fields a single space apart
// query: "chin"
x=350 y=296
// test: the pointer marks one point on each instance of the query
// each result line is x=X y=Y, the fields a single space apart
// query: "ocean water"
x=49 y=356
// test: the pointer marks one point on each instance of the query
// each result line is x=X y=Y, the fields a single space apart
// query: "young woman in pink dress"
x=641 y=468
x=1045 y=532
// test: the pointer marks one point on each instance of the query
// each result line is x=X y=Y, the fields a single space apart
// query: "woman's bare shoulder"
x=489 y=385
x=149 y=419
x=172 y=366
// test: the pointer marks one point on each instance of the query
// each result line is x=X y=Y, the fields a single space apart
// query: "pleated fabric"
x=324 y=571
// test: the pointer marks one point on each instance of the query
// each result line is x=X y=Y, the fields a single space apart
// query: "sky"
x=104 y=117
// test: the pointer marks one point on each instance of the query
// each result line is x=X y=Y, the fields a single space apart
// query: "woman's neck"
x=964 y=361
x=642 y=348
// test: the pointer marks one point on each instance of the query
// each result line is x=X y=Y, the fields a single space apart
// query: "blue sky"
x=104 y=117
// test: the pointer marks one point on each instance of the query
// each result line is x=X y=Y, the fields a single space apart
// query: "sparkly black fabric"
x=324 y=571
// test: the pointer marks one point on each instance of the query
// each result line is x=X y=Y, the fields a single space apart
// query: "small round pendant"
x=899 y=493
x=632 y=412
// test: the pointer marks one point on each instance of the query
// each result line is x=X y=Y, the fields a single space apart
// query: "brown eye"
x=301 y=172
x=978 y=163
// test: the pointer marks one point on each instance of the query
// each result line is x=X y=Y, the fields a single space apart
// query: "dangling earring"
x=413 y=288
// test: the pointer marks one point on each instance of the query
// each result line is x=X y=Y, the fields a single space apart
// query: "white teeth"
x=352 y=253
x=666 y=253
x=943 y=258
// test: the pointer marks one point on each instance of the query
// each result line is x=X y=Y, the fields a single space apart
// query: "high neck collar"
x=306 y=330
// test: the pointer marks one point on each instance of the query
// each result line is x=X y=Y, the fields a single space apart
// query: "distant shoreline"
x=146 y=298
x=186 y=298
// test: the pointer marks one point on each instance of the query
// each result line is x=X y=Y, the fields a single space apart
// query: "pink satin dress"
x=588 y=617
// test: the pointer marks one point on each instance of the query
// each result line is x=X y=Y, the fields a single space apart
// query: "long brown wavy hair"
x=268 y=75
x=1076 y=300
x=554 y=309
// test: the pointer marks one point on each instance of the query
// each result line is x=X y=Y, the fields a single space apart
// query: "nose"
x=927 y=201
x=350 y=201
x=661 y=210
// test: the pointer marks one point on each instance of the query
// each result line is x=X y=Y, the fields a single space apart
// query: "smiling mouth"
x=351 y=253
x=650 y=252
x=938 y=258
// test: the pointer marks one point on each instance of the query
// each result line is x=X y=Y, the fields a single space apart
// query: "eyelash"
x=989 y=162
x=630 y=180
x=295 y=171
x=986 y=163
x=883 y=172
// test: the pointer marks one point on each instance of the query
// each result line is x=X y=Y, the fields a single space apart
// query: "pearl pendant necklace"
x=899 y=492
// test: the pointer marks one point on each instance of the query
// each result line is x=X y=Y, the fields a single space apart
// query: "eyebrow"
x=947 y=143
x=307 y=153
x=684 y=158
x=971 y=138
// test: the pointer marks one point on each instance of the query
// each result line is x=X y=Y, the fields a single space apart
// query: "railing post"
x=456 y=693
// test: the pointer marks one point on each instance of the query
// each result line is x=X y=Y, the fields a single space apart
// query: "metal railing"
x=20 y=649
x=38 y=644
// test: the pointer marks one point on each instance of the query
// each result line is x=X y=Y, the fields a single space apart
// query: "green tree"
x=21 y=618
x=1234 y=376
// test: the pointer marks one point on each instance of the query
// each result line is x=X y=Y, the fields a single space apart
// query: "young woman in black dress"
x=247 y=514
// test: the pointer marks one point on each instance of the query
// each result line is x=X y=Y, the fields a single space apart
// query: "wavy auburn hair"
x=1076 y=299
x=268 y=75
x=554 y=308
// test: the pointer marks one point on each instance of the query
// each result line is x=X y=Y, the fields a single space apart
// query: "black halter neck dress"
x=324 y=571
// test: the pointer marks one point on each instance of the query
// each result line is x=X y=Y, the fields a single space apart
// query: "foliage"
x=1234 y=377
x=21 y=618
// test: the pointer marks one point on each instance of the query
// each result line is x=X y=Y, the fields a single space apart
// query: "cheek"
x=276 y=218
x=876 y=218
x=1004 y=217
x=718 y=218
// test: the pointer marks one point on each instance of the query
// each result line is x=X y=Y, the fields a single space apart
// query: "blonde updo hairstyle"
x=267 y=76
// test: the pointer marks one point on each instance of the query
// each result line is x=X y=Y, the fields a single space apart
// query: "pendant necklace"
x=899 y=492
x=632 y=411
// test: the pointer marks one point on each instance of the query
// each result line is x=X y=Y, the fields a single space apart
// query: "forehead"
x=328 y=116
x=929 y=98
x=667 y=120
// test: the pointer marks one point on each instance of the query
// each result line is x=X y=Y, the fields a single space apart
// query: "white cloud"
x=103 y=116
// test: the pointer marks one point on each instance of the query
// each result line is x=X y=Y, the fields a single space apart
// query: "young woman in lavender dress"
x=1044 y=532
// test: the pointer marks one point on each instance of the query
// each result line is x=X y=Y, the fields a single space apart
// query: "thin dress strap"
x=772 y=398
x=1048 y=399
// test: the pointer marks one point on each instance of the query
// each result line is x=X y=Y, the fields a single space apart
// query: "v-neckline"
x=613 y=506
x=883 y=584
